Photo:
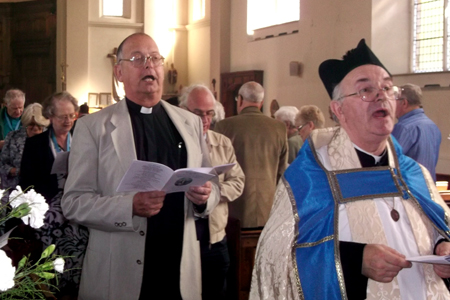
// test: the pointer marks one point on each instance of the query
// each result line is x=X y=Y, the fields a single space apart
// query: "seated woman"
x=309 y=117
x=32 y=123
x=36 y=170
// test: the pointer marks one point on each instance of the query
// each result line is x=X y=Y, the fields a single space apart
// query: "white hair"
x=286 y=114
x=187 y=91
x=252 y=92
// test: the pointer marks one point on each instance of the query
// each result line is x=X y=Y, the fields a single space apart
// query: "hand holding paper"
x=199 y=194
x=148 y=204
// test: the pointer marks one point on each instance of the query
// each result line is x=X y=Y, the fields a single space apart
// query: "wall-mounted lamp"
x=295 y=68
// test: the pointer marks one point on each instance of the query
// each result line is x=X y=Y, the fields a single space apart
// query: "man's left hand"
x=442 y=271
x=199 y=194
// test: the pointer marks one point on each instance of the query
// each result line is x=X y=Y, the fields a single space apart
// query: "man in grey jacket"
x=141 y=244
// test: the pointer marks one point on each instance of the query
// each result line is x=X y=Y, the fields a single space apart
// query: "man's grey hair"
x=252 y=92
x=183 y=100
x=310 y=113
x=220 y=112
x=338 y=96
x=412 y=93
x=338 y=93
x=286 y=114
x=13 y=94
x=50 y=103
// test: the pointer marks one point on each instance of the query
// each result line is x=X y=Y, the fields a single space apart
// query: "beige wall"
x=391 y=38
x=436 y=105
x=204 y=49
x=326 y=30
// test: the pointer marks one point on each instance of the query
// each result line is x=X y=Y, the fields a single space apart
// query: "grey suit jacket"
x=102 y=150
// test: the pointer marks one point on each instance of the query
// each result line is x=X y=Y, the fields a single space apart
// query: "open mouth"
x=381 y=113
x=149 y=78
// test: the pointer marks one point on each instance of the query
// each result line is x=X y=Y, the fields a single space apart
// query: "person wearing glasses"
x=39 y=155
x=286 y=114
x=353 y=213
x=199 y=100
x=142 y=245
x=418 y=135
x=310 y=117
x=11 y=113
x=33 y=123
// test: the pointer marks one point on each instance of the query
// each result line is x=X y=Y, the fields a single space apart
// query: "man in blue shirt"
x=419 y=137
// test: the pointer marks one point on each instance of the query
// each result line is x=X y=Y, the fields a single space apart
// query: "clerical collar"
x=136 y=108
x=369 y=160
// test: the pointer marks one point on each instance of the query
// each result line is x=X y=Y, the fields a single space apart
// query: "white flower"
x=36 y=202
x=7 y=272
x=58 y=264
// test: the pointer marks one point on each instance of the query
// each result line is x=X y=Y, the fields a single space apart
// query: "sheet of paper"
x=431 y=259
x=143 y=176
x=223 y=168
x=61 y=163
x=4 y=238
x=181 y=181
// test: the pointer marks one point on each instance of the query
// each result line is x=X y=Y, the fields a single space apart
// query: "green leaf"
x=45 y=275
x=21 y=211
x=45 y=267
x=48 y=251
x=22 y=262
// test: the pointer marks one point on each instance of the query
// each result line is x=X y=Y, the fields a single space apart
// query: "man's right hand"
x=147 y=204
x=382 y=263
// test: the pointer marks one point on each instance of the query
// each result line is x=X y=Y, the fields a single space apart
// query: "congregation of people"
x=340 y=209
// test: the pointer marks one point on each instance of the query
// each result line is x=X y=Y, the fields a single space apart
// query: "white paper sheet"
x=431 y=259
x=61 y=163
x=144 y=176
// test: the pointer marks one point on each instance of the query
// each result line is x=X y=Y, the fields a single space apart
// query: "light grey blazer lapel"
x=122 y=135
x=186 y=130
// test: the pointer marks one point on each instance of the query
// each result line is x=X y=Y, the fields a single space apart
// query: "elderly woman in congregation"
x=33 y=122
x=39 y=155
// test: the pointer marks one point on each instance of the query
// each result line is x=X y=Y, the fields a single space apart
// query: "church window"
x=265 y=13
x=431 y=40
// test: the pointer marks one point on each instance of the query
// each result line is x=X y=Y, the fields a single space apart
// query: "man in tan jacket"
x=260 y=143
x=199 y=100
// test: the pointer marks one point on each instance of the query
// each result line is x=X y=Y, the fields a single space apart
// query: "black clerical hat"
x=332 y=71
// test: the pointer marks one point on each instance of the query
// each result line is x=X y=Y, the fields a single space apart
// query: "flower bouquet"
x=29 y=279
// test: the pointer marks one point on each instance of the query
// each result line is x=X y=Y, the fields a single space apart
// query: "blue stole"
x=318 y=193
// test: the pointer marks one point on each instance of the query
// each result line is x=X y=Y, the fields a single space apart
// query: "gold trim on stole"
x=297 y=219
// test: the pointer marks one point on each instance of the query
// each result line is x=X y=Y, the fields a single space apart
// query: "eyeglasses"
x=66 y=117
x=32 y=125
x=237 y=98
x=209 y=113
x=301 y=126
x=138 y=61
x=369 y=94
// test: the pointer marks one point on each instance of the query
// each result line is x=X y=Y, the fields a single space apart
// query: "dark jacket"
x=37 y=162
